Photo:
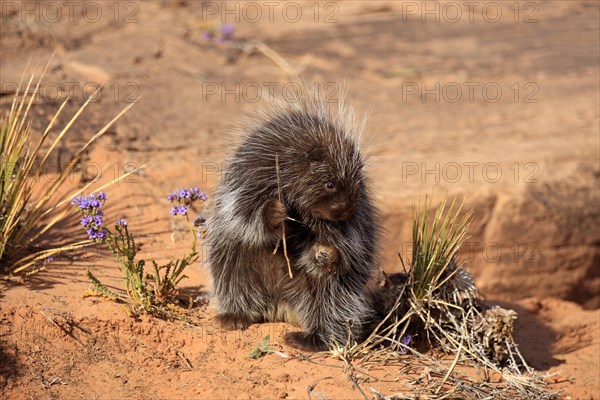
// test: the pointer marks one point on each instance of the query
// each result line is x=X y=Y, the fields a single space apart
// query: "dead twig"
x=285 y=254
x=353 y=380
x=292 y=71
x=312 y=386
x=451 y=368
x=61 y=328
x=185 y=360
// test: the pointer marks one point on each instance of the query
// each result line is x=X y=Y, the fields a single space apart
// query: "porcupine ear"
x=317 y=153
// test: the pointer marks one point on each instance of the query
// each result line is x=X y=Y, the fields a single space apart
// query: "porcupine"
x=331 y=227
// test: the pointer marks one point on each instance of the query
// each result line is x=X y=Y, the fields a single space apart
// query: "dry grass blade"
x=29 y=262
x=458 y=353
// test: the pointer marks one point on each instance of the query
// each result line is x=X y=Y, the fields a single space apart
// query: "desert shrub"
x=435 y=303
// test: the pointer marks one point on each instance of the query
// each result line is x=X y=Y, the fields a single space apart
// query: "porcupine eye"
x=330 y=187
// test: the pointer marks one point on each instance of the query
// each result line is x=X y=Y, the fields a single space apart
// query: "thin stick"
x=353 y=380
x=287 y=259
x=451 y=368
x=61 y=328
x=293 y=71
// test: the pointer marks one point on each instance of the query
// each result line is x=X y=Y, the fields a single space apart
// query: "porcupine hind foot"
x=305 y=341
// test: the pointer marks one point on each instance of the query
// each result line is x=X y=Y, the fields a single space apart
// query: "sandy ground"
x=502 y=107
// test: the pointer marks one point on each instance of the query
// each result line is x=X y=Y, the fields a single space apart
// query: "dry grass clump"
x=436 y=305
x=25 y=216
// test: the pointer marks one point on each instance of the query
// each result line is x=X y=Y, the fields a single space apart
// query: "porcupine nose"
x=344 y=209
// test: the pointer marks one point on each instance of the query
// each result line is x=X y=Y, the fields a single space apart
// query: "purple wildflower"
x=79 y=202
x=182 y=199
x=197 y=194
x=98 y=220
x=225 y=32
x=406 y=340
x=95 y=203
x=49 y=259
x=186 y=196
x=179 y=210
x=90 y=202
x=93 y=217
x=173 y=196
x=219 y=33
x=97 y=234
x=121 y=222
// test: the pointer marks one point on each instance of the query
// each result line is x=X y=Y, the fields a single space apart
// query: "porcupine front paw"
x=275 y=214
x=326 y=256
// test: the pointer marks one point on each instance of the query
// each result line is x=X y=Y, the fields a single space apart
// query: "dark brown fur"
x=330 y=223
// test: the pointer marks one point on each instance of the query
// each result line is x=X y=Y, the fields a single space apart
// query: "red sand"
x=534 y=244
